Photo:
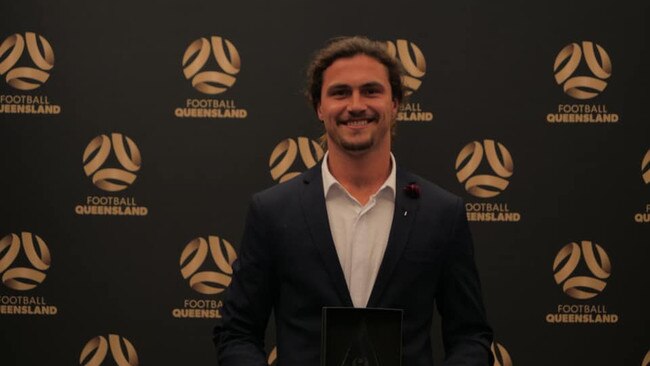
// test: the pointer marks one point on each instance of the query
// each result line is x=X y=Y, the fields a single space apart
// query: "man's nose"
x=357 y=103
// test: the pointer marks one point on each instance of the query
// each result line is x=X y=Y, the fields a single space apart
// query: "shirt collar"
x=329 y=181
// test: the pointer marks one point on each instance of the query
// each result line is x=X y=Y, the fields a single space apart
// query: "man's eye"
x=372 y=91
x=339 y=92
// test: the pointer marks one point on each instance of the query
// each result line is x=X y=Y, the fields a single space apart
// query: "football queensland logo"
x=273 y=356
x=195 y=254
x=96 y=155
x=285 y=155
x=646 y=360
x=643 y=217
x=484 y=185
x=95 y=352
x=412 y=59
x=645 y=167
x=26 y=75
x=196 y=58
x=579 y=286
x=18 y=277
x=582 y=86
x=501 y=355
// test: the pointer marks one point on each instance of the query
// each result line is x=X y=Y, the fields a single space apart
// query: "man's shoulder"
x=290 y=190
x=429 y=191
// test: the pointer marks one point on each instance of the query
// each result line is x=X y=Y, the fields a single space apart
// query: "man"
x=354 y=231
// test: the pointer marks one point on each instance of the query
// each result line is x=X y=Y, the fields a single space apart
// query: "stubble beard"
x=361 y=146
x=357 y=147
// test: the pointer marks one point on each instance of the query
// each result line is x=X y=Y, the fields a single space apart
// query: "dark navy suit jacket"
x=288 y=263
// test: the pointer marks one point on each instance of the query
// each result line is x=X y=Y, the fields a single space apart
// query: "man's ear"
x=319 y=112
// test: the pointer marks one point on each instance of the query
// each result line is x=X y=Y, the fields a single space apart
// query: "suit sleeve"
x=466 y=333
x=239 y=338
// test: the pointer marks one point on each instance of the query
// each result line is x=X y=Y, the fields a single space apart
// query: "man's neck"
x=361 y=175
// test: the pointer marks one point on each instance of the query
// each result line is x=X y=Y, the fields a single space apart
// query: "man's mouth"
x=358 y=122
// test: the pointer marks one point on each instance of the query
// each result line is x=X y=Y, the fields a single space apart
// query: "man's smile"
x=357 y=122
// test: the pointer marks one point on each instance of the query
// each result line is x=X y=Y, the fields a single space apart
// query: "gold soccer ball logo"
x=566 y=262
x=412 y=60
x=194 y=255
x=285 y=153
x=24 y=77
x=567 y=62
x=198 y=54
x=645 y=168
x=484 y=185
x=501 y=355
x=646 y=360
x=273 y=356
x=23 y=278
x=112 y=179
x=95 y=351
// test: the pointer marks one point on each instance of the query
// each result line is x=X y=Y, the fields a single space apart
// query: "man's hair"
x=345 y=47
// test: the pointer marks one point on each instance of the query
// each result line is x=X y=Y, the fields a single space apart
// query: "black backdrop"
x=489 y=75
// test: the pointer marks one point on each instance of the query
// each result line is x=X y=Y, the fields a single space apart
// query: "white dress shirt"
x=360 y=232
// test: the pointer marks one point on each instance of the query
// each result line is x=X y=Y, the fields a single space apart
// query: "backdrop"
x=134 y=134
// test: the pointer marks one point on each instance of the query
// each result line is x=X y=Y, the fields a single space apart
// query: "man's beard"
x=363 y=145
x=356 y=147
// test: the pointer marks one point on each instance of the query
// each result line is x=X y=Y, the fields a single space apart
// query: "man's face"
x=356 y=105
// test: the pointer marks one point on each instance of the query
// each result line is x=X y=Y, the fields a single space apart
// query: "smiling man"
x=356 y=231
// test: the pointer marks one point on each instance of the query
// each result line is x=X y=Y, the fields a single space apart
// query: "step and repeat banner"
x=133 y=136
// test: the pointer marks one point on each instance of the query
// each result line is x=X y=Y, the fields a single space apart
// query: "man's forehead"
x=358 y=69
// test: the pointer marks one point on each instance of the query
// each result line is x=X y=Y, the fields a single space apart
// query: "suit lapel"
x=315 y=211
x=403 y=217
